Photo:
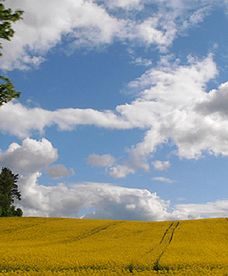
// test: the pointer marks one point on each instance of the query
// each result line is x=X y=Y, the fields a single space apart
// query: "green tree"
x=9 y=193
x=7 y=17
x=7 y=90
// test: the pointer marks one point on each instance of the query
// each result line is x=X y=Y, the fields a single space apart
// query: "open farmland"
x=56 y=246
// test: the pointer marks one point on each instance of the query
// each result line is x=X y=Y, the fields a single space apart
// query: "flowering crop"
x=57 y=246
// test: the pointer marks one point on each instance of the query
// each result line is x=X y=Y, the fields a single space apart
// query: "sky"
x=123 y=112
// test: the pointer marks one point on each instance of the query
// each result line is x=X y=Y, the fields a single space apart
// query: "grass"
x=57 y=246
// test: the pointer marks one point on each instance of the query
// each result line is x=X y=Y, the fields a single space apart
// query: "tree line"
x=8 y=180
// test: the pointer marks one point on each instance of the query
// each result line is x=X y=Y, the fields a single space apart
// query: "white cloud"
x=163 y=179
x=158 y=30
x=106 y=201
x=91 y=24
x=217 y=208
x=161 y=165
x=120 y=171
x=173 y=106
x=169 y=105
x=197 y=16
x=124 y=4
x=21 y=121
x=103 y=200
x=103 y=160
x=45 y=24
x=168 y=101
x=216 y=102
x=59 y=170
x=141 y=61
x=30 y=157
x=110 y=164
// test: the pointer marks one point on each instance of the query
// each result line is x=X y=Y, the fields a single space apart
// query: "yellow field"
x=52 y=246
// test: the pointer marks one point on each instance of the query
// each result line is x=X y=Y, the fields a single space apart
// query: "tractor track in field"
x=91 y=232
x=165 y=242
x=166 y=233
x=84 y=235
x=159 y=250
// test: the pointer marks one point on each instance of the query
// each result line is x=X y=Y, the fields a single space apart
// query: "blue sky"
x=123 y=111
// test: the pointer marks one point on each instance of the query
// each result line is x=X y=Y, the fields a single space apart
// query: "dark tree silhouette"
x=7 y=90
x=8 y=181
x=9 y=193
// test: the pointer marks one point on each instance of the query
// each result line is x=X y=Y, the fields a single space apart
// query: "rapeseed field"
x=57 y=246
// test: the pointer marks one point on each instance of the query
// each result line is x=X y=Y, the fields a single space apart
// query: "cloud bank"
x=85 y=23
x=91 y=200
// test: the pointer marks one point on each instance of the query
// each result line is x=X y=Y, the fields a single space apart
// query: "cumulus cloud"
x=168 y=100
x=105 y=201
x=29 y=157
x=175 y=106
x=59 y=170
x=216 y=102
x=91 y=24
x=38 y=31
x=161 y=165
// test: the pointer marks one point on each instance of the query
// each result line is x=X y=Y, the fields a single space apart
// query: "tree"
x=7 y=17
x=7 y=90
x=8 y=181
x=8 y=193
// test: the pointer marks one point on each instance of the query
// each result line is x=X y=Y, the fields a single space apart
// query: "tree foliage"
x=7 y=17
x=9 y=193
x=7 y=90
x=8 y=181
